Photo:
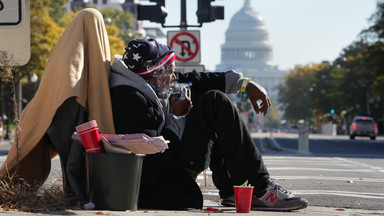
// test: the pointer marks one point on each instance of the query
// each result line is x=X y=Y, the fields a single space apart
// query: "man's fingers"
x=256 y=107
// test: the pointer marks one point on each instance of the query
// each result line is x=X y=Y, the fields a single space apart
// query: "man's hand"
x=257 y=92
x=181 y=107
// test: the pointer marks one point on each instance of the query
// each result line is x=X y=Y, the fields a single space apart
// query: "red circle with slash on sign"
x=192 y=53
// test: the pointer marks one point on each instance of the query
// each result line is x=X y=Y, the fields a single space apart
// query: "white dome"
x=247 y=17
x=246 y=41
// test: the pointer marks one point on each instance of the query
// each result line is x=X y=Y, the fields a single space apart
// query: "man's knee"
x=216 y=96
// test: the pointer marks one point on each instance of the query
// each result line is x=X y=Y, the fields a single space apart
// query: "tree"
x=45 y=33
x=294 y=94
x=122 y=20
x=272 y=118
x=116 y=44
x=375 y=53
x=58 y=10
x=376 y=30
x=356 y=79
x=118 y=24
x=353 y=84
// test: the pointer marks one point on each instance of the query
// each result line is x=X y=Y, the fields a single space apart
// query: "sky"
x=300 y=31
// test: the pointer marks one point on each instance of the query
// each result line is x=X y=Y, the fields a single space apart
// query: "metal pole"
x=367 y=101
x=6 y=137
x=303 y=141
x=20 y=108
x=183 y=15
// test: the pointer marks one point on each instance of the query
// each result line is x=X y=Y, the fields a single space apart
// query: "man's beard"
x=164 y=92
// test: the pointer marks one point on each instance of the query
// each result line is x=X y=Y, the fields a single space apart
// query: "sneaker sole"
x=263 y=208
x=276 y=209
x=228 y=203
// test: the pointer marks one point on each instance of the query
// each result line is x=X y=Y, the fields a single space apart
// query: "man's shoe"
x=229 y=201
x=277 y=198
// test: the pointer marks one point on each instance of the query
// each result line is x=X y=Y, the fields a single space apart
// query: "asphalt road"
x=337 y=172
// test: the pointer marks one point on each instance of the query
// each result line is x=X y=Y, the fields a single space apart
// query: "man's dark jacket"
x=164 y=184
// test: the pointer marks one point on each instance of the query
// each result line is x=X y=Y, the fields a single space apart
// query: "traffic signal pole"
x=183 y=18
x=183 y=15
x=157 y=13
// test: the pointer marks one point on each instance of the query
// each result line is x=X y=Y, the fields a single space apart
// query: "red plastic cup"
x=243 y=198
x=89 y=134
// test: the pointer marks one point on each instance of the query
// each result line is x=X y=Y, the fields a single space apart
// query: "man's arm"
x=202 y=82
x=133 y=112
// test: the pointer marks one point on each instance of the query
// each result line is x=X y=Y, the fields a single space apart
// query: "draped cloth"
x=78 y=67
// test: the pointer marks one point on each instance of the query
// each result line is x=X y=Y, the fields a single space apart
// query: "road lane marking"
x=340 y=193
x=328 y=178
x=320 y=169
x=310 y=163
x=378 y=169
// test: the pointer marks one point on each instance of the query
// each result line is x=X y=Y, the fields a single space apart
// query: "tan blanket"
x=78 y=67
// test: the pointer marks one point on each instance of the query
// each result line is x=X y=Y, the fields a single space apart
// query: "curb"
x=273 y=144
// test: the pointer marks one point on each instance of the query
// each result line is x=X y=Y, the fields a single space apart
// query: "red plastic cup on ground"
x=89 y=134
x=243 y=198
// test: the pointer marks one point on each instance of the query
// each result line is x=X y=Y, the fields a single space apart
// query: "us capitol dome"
x=247 y=49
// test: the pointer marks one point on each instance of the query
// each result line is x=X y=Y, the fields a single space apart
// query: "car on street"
x=363 y=126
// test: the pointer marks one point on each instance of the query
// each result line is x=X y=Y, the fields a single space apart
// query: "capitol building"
x=247 y=49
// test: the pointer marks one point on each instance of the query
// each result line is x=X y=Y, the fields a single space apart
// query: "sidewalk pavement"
x=207 y=209
x=5 y=145
x=310 y=211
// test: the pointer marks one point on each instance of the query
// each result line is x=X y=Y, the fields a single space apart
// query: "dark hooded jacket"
x=137 y=109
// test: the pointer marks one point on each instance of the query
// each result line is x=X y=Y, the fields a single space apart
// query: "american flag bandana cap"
x=147 y=57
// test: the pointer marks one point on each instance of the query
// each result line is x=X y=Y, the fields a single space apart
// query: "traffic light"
x=153 y=13
x=332 y=111
x=207 y=13
x=251 y=117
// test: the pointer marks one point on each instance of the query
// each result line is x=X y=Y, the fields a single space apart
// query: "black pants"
x=233 y=156
x=67 y=117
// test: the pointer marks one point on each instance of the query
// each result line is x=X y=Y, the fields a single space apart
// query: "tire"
x=352 y=137
x=373 y=138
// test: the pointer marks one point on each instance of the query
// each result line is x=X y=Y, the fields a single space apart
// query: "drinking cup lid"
x=86 y=126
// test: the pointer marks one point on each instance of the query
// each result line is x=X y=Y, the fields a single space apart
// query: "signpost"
x=15 y=30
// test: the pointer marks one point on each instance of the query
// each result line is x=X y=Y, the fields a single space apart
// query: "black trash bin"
x=113 y=180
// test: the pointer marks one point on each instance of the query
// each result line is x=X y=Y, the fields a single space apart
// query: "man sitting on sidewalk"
x=203 y=126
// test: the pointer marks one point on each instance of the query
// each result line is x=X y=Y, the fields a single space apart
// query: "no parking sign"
x=186 y=45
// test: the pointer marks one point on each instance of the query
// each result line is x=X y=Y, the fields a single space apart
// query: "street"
x=338 y=172
x=341 y=173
